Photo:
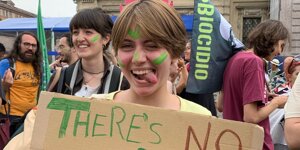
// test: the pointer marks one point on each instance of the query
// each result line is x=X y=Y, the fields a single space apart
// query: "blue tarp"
x=22 y=24
x=59 y=24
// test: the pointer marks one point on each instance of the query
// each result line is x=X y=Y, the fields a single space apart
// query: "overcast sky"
x=50 y=8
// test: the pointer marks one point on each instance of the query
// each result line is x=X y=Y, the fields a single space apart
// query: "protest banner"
x=213 y=43
x=68 y=122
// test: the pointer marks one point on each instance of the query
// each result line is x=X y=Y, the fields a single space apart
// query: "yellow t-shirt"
x=23 y=91
x=185 y=105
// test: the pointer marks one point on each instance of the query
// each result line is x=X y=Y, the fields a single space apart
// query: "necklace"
x=92 y=76
x=92 y=72
x=85 y=82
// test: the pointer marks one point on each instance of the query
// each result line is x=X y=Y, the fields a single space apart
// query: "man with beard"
x=21 y=73
x=67 y=56
x=66 y=51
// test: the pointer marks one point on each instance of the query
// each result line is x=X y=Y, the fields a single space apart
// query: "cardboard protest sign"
x=68 y=122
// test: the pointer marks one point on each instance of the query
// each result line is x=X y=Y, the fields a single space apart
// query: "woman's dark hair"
x=94 y=18
x=15 y=52
x=265 y=35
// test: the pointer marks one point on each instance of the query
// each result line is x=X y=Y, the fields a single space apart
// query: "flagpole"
x=43 y=46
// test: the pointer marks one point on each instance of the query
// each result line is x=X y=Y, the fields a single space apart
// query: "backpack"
x=12 y=64
x=112 y=82
x=12 y=67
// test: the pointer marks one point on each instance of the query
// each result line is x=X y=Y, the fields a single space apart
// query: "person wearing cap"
x=275 y=67
x=276 y=75
x=277 y=81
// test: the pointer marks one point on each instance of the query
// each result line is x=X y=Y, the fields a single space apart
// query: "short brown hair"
x=265 y=35
x=156 y=20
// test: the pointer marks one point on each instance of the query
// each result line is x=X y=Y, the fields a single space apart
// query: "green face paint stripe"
x=133 y=34
x=159 y=60
x=95 y=38
x=136 y=56
x=121 y=63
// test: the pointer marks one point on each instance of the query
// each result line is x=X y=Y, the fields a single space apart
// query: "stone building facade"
x=242 y=14
x=8 y=10
x=289 y=14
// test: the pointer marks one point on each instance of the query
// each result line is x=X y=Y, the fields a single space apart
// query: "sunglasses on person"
x=294 y=63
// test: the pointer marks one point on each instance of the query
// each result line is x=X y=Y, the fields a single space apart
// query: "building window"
x=9 y=14
x=5 y=13
x=248 y=24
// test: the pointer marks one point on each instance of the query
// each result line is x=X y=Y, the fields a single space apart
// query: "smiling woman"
x=93 y=72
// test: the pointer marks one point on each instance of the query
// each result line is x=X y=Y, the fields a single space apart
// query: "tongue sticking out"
x=150 y=77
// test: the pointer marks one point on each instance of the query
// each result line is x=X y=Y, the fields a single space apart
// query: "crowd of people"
x=144 y=56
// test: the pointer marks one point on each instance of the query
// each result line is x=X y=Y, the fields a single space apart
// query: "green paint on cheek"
x=133 y=34
x=95 y=38
x=159 y=60
x=121 y=63
x=136 y=56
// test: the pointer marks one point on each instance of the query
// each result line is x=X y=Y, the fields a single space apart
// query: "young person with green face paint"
x=90 y=30
x=146 y=49
x=147 y=43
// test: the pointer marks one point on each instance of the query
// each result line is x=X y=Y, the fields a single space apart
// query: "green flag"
x=42 y=39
